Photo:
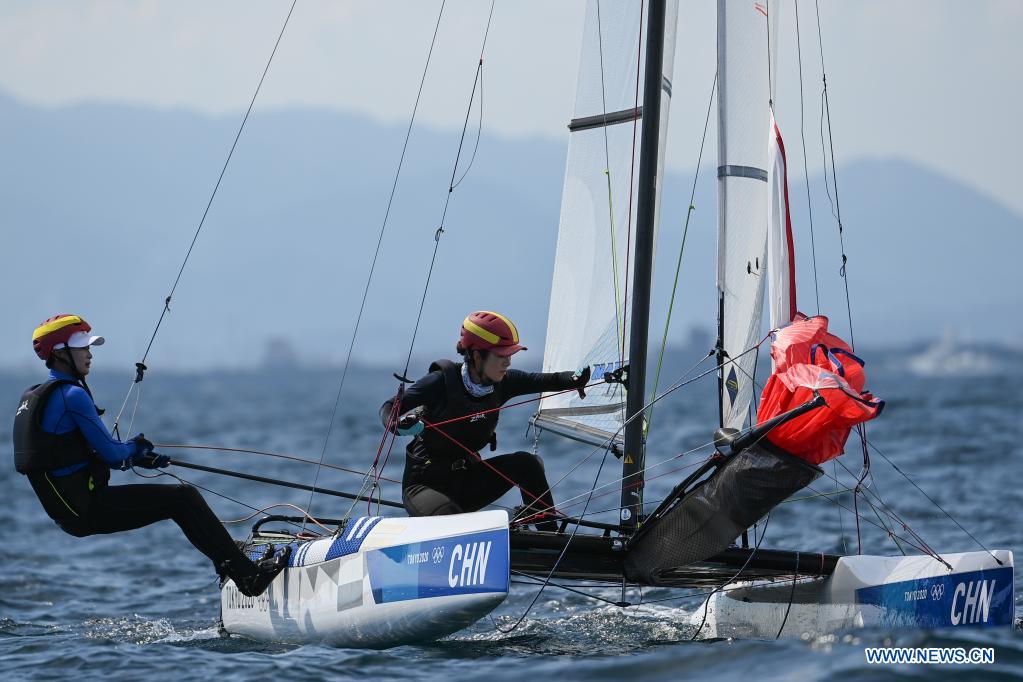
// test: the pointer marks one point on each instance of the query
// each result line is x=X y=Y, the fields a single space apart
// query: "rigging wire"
x=376 y=252
x=632 y=170
x=561 y=556
x=606 y=444
x=477 y=84
x=892 y=515
x=836 y=207
x=451 y=187
x=706 y=603
x=921 y=547
x=619 y=323
x=681 y=250
x=373 y=472
x=211 y=491
x=534 y=580
x=265 y=453
x=836 y=213
x=806 y=171
x=932 y=501
x=274 y=506
x=680 y=469
x=479 y=132
x=141 y=365
x=792 y=595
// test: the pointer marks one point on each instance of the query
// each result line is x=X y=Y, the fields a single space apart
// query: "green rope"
x=681 y=251
x=619 y=310
x=811 y=497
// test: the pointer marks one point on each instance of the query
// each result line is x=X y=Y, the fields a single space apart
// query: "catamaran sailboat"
x=383 y=581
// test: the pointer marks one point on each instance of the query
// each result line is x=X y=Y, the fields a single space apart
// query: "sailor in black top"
x=442 y=473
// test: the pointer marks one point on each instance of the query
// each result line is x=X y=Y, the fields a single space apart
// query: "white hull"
x=398 y=581
x=869 y=591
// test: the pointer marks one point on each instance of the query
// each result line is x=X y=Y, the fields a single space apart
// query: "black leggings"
x=126 y=507
x=472 y=489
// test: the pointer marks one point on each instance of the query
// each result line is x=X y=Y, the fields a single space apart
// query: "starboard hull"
x=869 y=591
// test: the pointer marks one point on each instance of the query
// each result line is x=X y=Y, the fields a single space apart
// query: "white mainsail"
x=743 y=98
x=587 y=320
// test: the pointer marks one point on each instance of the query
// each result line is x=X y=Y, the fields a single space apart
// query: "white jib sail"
x=781 y=260
x=743 y=97
x=588 y=321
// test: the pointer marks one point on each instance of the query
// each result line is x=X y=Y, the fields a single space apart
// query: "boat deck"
x=601 y=558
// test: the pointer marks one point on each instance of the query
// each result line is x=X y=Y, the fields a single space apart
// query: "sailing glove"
x=143 y=447
x=151 y=460
x=580 y=379
x=410 y=425
x=142 y=444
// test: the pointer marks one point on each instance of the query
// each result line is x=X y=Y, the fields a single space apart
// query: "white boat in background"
x=951 y=358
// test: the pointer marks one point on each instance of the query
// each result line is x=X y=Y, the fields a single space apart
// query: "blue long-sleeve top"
x=70 y=407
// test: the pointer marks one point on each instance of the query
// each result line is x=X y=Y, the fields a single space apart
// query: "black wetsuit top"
x=436 y=463
x=443 y=396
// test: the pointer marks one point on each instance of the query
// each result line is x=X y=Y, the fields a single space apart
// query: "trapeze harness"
x=42 y=456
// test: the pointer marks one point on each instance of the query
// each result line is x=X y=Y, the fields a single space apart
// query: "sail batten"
x=601 y=120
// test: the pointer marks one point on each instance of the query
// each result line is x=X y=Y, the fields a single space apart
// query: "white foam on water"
x=139 y=630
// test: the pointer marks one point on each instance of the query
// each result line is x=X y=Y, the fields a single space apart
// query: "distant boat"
x=950 y=358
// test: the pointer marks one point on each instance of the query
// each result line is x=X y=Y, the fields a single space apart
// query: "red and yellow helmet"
x=58 y=332
x=490 y=331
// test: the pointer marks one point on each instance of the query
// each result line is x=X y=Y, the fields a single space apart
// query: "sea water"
x=144 y=604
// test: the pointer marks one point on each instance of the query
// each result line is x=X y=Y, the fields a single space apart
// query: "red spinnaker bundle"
x=806 y=359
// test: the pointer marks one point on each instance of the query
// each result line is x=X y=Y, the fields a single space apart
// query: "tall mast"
x=646 y=216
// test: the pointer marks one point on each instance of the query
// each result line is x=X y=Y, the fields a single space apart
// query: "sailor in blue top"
x=70 y=408
x=66 y=451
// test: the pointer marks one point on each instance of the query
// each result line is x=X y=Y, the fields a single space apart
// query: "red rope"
x=536 y=498
x=388 y=434
x=505 y=407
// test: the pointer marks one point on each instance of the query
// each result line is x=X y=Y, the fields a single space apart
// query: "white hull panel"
x=870 y=591
x=382 y=582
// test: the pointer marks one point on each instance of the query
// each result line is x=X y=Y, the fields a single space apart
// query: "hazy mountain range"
x=99 y=202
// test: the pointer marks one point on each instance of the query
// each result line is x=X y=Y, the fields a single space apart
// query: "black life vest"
x=474 y=432
x=35 y=449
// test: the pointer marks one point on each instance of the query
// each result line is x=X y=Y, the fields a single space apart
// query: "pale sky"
x=933 y=82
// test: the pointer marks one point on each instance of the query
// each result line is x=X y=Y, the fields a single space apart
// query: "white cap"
x=82 y=340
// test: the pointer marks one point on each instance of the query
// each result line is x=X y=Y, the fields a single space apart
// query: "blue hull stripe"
x=975 y=599
x=475 y=563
